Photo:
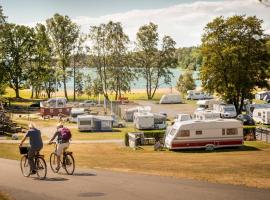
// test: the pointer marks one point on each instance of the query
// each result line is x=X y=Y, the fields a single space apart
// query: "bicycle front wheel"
x=69 y=164
x=53 y=162
x=41 y=168
x=25 y=167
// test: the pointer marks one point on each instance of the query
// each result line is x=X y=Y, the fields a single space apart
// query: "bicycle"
x=41 y=167
x=68 y=162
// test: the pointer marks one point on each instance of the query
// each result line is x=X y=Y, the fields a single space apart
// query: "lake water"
x=139 y=83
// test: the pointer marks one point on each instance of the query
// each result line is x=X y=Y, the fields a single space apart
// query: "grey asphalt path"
x=99 y=184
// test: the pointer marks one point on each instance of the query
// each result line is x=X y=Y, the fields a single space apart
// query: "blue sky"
x=182 y=19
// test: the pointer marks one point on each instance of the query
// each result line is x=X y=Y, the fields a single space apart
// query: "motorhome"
x=94 y=123
x=208 y=134
x=261 y=115
x=129 y=112
x=206 y=104
x=182 y=117
x=75 y=112
x=144 y=120
x=206 y=114
x=170 y=99
x=225 y=110
x=197 y=95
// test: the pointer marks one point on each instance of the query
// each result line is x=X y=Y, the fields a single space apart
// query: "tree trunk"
x=32 y=93
x=65 y=86
x=17 y=92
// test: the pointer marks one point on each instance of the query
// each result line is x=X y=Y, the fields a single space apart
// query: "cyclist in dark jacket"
x=36 y=145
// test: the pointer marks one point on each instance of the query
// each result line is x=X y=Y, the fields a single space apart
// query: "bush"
x=148 y=134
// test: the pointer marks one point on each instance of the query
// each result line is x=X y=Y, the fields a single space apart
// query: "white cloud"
x=184 y=22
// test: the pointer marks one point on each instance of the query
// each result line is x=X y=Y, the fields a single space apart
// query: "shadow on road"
x=83 y=174
x=91 y=194
x=54 y=179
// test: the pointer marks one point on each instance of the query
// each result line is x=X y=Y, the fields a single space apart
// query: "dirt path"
x=99 y=184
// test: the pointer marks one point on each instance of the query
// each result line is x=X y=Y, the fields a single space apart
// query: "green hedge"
x=147 y=134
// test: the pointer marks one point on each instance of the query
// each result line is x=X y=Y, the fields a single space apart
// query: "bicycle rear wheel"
x=69 y=164
x=25 y=167
x=53 y=162
x=41 y=168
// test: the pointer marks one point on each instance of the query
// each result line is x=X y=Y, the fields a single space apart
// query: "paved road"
x=98 y=184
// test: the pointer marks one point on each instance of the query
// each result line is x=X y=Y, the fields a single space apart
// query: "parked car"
x=246 y=119
x=87 y=103
x=35 y=105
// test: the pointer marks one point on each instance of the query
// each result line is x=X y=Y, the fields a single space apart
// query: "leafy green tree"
x=78 y=60
x=99 y=55
x=3 y=79
x=97 y=87
x=88 y=86
x=16 y=47
x=40 y=65
x=64 y=33
x=119 y=71
x=189 y=58
x=79 y=83
x=154 y=64
x=185 y=82
x=235 y=58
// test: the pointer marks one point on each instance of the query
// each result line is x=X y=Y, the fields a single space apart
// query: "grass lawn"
x=249 y=165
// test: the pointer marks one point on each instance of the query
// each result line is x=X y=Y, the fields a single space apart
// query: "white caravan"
x=182 y=117
x=129 y=112
x=197 y=95
x=160 y=121
x=206 y=114
x=225 y=110
x=170 y=99
x=94 y=123
x=144 y=120
x=261 y=115
x=75 y=112
x=208 y=134
x=58 y=102
x=206 y=104
x=251 y=107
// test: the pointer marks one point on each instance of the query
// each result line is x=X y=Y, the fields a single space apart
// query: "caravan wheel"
x=209 y=147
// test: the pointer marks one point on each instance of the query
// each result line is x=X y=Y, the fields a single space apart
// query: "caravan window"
x=184 y=133
x=198 y=132
x=232 y=131
x=85 y=122
x=259 y=114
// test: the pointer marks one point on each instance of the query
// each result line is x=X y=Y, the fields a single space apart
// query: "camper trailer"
x=54 y=107
x=160 y=121
x=206 y=114
x=206 y=104
x=144 y=120
x=94 y=123
x=225 y=110
x=129 y=112
x=262 y=115
x=197 y=95
x=208 y=134
x=75 y=112
x=170 y=99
